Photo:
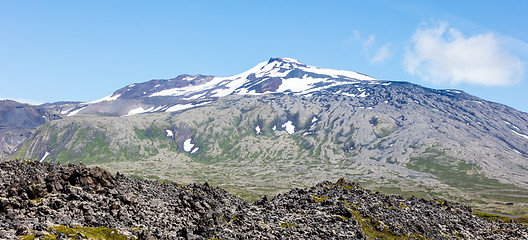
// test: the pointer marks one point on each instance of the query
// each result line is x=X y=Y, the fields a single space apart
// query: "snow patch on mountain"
x=158 y=108
x=107 y=98
x=179 y=107
x=290 y=60
x=194 y=150
x=75 y=112
x=513 y=126
x=520 y=134
x=187 y=145
x=45 y=156
x=244 y=91
x=454 y=91
x=289 y=127
x=169 y=133
x=349 y=94
x=298 y=84
x=339 y=73
x=363 y=94
x=66 y=111
x=222 y=86
x=138 y=111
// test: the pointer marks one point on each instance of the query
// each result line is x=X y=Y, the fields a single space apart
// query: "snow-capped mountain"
x=278 y=75
x=286 y=124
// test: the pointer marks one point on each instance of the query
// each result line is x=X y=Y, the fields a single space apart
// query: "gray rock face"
x=16 y=122
x=35 y=197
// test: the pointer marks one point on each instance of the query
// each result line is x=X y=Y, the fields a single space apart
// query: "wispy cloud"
x=368 y=46
x=382 y=53
x=443 y=55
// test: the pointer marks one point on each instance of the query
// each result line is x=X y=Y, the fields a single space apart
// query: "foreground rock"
x=42 y=199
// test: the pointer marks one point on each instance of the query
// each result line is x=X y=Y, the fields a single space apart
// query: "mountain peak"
x=277 y=75
x=278 y=65
x=284 y=60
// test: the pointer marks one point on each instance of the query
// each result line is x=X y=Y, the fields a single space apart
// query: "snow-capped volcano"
x=282 y=121
x=275 y=75
x=278 y=75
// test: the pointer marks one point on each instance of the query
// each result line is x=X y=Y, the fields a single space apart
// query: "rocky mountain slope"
x=284 y=124
x=39 y=200
x=16 y=122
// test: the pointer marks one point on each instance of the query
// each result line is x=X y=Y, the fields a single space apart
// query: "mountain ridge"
x=17 y=120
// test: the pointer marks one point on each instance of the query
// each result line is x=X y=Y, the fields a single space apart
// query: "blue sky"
x=84 y=50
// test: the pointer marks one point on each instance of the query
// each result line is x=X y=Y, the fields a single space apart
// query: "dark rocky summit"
x=39 y=200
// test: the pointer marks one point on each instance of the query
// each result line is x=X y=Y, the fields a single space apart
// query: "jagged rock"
x=92 y=197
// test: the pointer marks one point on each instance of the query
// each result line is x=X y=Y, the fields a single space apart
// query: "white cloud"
x=382 y=53
x=367 y=44
x=443 y=55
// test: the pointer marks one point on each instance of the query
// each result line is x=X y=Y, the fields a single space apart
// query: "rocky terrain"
x=44 y=200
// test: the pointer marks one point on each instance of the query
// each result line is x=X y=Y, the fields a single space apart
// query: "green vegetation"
x=377 y=146
x=384 y=132
x=375 y=229
x=140 y=134
x=91 y=145
x=319 y=199
x=287 y=225
x=461 y=175
x=523 y=219
x=504 y=218
x=80 y=232
x=229 y=219
x=493 y=217
x=96 y=145
x=152 y=133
